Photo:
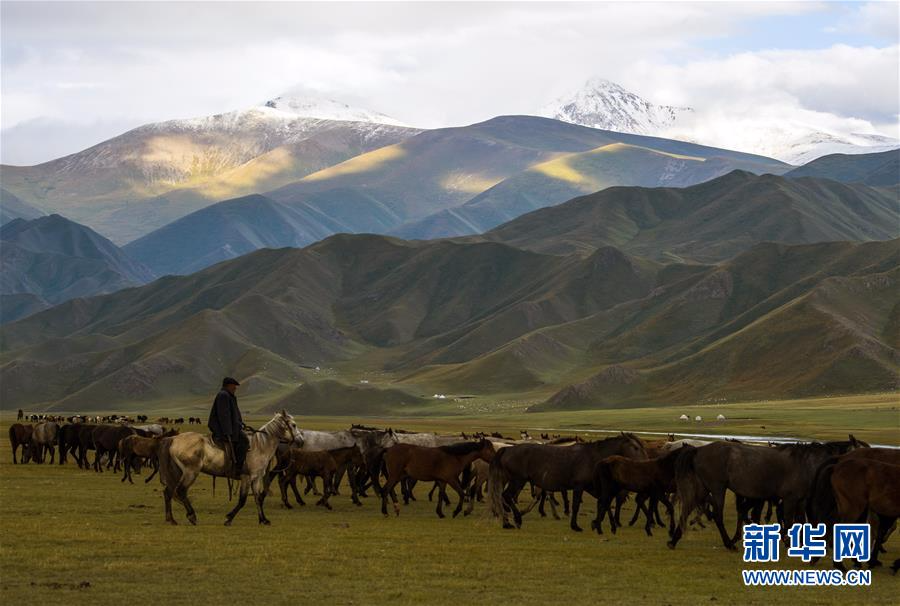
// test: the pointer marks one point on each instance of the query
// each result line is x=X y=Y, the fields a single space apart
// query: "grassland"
x=62 y=527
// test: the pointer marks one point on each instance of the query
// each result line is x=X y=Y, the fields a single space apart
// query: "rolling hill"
x=602 y=329
x=877 y=170
x=143 y=179
x=709 y=222
x=484 y=174
x=50 y=259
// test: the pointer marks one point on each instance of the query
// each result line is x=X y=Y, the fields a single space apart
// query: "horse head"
x=289 y=432
x=486 y=450
x=856 y=443
x=633 y=447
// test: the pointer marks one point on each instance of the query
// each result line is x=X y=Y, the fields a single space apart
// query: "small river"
x=701 y=436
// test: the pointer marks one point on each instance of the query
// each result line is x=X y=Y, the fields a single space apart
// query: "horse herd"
x=817 y=482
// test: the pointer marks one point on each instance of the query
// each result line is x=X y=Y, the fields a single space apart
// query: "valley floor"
x=77 y=537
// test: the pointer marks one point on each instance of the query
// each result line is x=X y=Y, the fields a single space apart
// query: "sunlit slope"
x=149 y=176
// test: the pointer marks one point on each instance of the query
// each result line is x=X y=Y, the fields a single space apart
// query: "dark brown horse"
x=308 y=463
x=20 y=435
x=441 y=464
x=653 y=479
x=67 y=440
x=553 y=469
x=822 y=506
x=753 y=474
x=867 y=489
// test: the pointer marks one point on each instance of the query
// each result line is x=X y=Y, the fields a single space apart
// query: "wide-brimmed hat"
x=229 y=381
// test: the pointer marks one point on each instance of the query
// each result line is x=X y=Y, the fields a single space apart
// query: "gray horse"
x=184 y=457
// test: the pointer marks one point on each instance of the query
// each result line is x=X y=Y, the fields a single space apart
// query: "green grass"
x=61 y=527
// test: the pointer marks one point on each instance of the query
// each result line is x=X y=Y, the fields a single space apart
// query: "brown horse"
x=441 y=464
x=653 y=478
x=20 y=435
x=552 y=469
x=184 y=457
x=308 y=463
x=752 y=473
x=867 y=488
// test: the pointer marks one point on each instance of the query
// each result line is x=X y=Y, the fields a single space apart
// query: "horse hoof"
x=265 y=522
x=172 y=522
x=228 y=522
x=358 y=504
x=507 y=525
x=670 y=544
x=576 y=528
x=193 y=520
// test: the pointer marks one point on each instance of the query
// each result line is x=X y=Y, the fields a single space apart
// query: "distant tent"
x=698 y=418
x=684 y=418
x=720 y=418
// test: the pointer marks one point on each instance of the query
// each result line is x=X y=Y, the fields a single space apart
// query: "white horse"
x=184 y=457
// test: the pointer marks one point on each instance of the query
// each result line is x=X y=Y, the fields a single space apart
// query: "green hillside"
x=878 y=170
x=709 y=222
x=418 y=318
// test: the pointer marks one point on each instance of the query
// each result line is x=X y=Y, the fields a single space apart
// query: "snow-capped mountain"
x=177 y=166
x=604 y=104
x=299 y=102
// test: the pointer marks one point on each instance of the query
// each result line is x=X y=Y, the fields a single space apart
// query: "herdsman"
x=226 y=423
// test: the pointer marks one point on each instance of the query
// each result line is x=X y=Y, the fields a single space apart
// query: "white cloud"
x=429 y=64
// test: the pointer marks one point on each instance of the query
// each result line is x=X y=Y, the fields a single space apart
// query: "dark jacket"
x=225 y=419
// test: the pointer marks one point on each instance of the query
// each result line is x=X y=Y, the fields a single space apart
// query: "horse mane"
x=363 y=427
x=462 y=448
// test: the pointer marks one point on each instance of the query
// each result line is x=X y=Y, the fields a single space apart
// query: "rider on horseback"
x=226 y=423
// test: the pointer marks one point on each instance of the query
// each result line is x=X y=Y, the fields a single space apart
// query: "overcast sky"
x=76 y=73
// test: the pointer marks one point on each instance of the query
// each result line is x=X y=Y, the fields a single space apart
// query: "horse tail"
x=169 y=470
x=690 y=490
x=821 y=505
x=376 y=466
x=496 y=481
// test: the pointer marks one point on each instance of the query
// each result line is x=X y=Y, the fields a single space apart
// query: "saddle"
x=228 y=448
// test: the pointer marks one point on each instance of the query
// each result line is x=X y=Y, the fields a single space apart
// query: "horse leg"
x=259 y=495
x=455 y=485
x=293 y=482
x=167 y=496
x=620 y=500
x=431 y=492
x=440 y=501
x=577 y=495
x=242 y=500
x=648 y=528
x=327 y=488
x=553 y=510
x=511 y=494
x=637 y=510
x=565 y=498
x=155 y=464
x=718 y=504
x=282 y=488
x=388 y=489
x=181 y=495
